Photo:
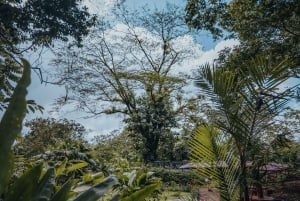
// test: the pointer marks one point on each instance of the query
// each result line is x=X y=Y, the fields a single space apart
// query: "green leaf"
x=143 y=193
x=46 y=187
x=63 y=193
x=77 y=166
x=11 y=125
x=131 y=176
x=142 y=179
x=60 y=170
x=25 y=186
x=31 y=108
x=96 y=178
x=98 y=190
x=215 y=157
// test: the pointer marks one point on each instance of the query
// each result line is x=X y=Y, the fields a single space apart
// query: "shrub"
x=183 y=178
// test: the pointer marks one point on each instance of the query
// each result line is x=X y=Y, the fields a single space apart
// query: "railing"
x=169 y=164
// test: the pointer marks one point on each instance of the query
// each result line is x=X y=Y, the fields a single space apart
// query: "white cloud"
x=210 y=55
x=100 y=7
x=199 y=57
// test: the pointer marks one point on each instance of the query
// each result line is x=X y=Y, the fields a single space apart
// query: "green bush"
x=182 y=178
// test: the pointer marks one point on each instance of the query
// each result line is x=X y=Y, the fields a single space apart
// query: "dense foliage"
x=27 y=25
x=240 y=116
x=151 y=127
x=183 y=178
x=260 y=26
x=49 y=134
x=41 y=22
x=123 y=154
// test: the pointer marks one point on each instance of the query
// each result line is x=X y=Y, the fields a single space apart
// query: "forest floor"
x=209 y=195
x=205 y=195
x=288 y=191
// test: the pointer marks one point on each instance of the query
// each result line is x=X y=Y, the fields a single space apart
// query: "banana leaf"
x=24 y=187
x=45 y=188
x=141 y=194
x=63 y=193
x=11 y=125
x=98 y=190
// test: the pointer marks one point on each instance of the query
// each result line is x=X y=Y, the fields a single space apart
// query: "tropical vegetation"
x=241 y=117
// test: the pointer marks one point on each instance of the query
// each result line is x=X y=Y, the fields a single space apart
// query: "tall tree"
x=151 y=126
x=128 y=69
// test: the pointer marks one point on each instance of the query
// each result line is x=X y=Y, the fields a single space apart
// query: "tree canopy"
x=47 y=134
x=261 y=26
x=27 y=25
x=40 y=22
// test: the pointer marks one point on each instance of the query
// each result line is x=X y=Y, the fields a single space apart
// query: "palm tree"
x=247 y=101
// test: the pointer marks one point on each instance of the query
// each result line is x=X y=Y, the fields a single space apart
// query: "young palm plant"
x=218 y=160
x=248 y=99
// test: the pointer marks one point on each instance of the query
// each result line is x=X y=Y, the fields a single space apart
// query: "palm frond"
x=215 y=157
x=264 y=80
x=220 y=85
x=265 y=74
x=249 y=99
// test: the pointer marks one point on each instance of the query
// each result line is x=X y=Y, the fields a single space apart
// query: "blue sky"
x=205 y=51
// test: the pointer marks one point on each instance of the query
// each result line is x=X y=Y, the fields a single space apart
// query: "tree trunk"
x=244 y=179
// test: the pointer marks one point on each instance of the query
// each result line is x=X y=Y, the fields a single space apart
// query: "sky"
x=205 y=50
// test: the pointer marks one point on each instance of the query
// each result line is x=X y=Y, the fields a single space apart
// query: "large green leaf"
x=11 y=125
x=24 y=187
x=98 y=190
x=78 y=165
x=60 y=170
x=131 y=177
x=141 y=194
x=214 y=155
x=45 y=188
x=63 y=193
